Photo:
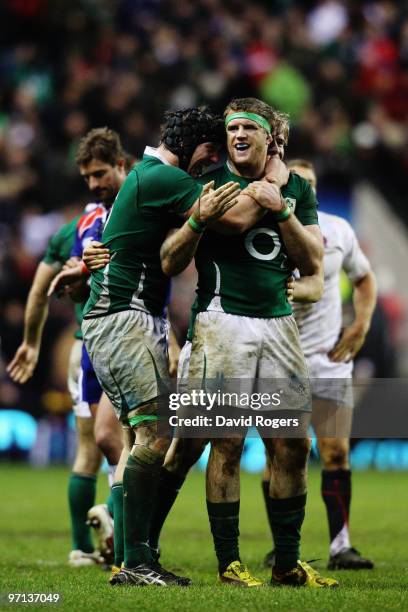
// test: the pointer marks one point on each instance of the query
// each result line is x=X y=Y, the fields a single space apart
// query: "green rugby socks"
x=117 y=499
x=81 y=497
x=224 y=522
x=140 y=482
x=286 y=517
x=265 y=492
x=168 y=489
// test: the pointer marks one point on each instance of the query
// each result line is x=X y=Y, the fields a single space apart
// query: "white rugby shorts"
x=74 y=382
x=129 y=352
x=247 y=354
x=330 y=380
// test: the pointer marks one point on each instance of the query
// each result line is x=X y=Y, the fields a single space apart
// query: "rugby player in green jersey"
x=244 y=328
x=124 y=328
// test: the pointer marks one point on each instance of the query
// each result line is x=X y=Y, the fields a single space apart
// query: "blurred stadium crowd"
x=338 y=68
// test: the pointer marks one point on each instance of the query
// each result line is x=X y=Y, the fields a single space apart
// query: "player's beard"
x=108 y=201
x=105 y=195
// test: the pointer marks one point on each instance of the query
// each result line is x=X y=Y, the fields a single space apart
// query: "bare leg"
x=223 y=491
x=287 y=497
x=108 y=432
x=289 y=467
x=222 y=476
x=88 y=457
x=329 y=420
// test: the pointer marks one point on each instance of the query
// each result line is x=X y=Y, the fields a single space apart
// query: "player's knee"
x=109 y=444
x=86 y=444
x=88 y=459
x=185 y=455
x=230 y=448
x=160 y=446
x=102 y=438
x=144 y=459
x=334 y=453
x=293 y=453
x=147 y=437
x=227 y=455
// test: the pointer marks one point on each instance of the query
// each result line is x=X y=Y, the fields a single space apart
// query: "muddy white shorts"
x=129 y=352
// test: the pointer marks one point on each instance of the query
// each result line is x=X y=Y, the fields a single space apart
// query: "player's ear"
x=268 y=139
x=121 y=162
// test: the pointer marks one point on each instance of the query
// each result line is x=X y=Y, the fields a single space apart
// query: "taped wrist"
x=284 y=213
x=197 y=226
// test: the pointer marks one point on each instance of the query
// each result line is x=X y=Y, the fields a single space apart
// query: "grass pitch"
x=35 y=541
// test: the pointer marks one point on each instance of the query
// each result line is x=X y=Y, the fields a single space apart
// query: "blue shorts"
x=90 y=387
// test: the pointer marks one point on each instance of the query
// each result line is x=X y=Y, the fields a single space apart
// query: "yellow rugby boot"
x=114 y=570
x=237 y=574
x=302 y=575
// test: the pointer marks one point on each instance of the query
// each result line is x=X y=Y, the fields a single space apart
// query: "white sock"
x=111 y=474
x=341 y=541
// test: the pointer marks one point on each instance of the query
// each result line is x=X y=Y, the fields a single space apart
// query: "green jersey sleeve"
x=60 y=245
x=174 y=188
x=52 y=255
x=306 y=211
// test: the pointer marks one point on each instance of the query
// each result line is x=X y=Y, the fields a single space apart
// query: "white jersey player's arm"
x=353 y=336
x=304 y=245
x=22 y=366
x=174 y=353
x=309 y=289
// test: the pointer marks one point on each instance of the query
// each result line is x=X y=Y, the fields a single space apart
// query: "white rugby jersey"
x=320 y=323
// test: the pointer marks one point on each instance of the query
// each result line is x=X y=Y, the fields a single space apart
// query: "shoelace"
x=244 y=571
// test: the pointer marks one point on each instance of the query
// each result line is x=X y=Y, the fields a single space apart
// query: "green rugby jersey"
x=246 y=274
x=58 y=251
x=142 y=214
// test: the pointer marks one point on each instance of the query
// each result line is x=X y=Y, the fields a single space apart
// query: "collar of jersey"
x=152 y=152
x=230 y=168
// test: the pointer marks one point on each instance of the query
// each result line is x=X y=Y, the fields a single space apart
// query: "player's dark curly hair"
x=102 y=144
x=183 y=130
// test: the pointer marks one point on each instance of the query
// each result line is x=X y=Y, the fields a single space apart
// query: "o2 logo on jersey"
x=250 y=247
